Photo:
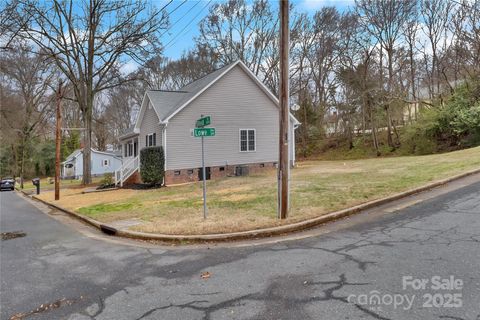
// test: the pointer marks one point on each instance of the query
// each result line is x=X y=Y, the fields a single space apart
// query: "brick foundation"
x=190 y=175
x=133 y=179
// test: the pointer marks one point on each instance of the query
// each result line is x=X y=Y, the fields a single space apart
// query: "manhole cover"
x=13 y=235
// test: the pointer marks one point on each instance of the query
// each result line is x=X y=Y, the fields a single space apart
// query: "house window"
x=176 y=172
x=151 y=140
x=130 y=148
x=247 y=140
x=190 y=171
x=125 y=150
x=221 y=169
x=105 y=162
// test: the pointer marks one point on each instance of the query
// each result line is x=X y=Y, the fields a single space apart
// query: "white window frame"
x=148 y=140
x=106 y=162
x=129 y=154
x=254 y=139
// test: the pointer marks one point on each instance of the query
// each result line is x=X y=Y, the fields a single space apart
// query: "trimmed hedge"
x=152 y=165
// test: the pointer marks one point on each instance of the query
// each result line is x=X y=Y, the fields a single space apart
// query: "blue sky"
x=185 y=19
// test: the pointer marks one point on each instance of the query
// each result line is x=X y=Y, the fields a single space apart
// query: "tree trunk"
x=372 y=125
x=87 y=139
x=305 y=131
x=389 y=100
x=374 y=136
x=412 y=79
x=389 y=127
x=89 y=96
x=22 y=162
x=364 y=125
x=349 y=133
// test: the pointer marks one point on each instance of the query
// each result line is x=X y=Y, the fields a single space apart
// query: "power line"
x=176 y=38
x=181 y=4
x=181 y=18
x=163 y=8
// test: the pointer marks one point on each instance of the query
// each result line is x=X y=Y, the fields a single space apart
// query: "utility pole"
x=283 y=161
x=58 y=140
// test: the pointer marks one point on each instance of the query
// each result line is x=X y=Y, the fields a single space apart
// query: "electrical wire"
x=177 y=37
x=181 y=18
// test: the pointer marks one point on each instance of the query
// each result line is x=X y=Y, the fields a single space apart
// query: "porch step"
x=126 y=170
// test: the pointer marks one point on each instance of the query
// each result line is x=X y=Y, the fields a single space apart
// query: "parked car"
x=7 y=183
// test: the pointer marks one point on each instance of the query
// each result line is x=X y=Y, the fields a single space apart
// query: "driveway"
x=419 y=260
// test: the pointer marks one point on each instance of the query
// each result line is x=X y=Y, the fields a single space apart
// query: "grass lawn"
x=243 y=203
x=45 y=185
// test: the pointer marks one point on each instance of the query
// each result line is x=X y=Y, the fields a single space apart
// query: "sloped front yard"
x=245 y=203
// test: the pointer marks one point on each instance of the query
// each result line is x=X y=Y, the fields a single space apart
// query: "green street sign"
x=202 y=122
x=204 y=132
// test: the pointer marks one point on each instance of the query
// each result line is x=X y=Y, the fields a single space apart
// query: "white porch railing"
x=126 y=170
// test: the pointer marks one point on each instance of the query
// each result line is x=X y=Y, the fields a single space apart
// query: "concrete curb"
x=259 y=233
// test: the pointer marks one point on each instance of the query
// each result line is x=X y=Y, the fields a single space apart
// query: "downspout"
x=293 y=145
x=295 y=127
x=164 y=142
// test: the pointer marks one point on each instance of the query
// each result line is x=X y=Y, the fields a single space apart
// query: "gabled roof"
x=75 y=154
x=168 y=103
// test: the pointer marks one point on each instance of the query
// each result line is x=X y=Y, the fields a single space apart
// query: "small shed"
x=101 y=162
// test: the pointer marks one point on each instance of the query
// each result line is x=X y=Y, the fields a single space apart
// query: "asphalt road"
x=419 y=262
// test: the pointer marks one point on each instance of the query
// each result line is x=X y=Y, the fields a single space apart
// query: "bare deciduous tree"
x=30 y=77
x=87 y=40
x=239 y=30
x=384 y=19
x=436 y=16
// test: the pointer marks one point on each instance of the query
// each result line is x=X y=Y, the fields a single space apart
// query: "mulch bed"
x=142 y=186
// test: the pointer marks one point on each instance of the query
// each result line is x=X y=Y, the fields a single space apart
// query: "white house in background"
x=244 y=113
x=101 y=163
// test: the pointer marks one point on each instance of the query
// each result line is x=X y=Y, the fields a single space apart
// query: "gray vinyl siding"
x=149 y=124
x=234 y=102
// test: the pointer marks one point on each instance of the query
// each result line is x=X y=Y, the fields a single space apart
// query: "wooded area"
x=383 y=77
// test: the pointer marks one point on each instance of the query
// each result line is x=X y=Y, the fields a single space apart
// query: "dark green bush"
x=152 y=165
x=454 y=125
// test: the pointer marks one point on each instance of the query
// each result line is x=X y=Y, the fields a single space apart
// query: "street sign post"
x=202 y=132
x=203 y=122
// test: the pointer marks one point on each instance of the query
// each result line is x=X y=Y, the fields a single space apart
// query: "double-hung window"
x=247 y=140
x=151 y=140
x=129 y=148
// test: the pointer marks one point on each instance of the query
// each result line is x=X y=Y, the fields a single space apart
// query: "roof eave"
x=135 y=132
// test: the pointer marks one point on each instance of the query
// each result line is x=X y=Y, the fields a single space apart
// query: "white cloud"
x=318 y=4
x=129 y=67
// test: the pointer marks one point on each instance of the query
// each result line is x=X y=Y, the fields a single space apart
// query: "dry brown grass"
x=245 y=203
